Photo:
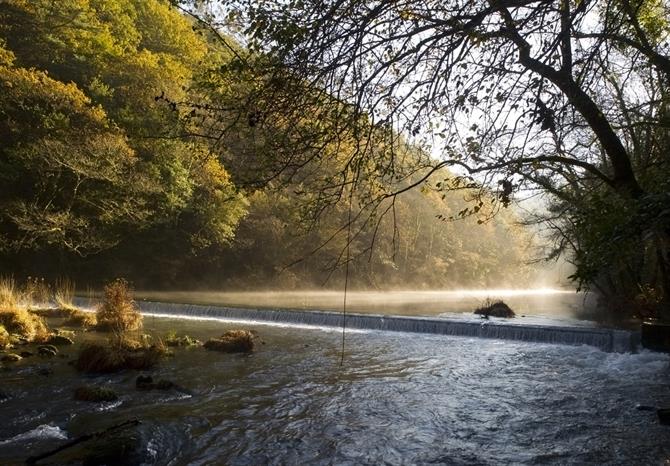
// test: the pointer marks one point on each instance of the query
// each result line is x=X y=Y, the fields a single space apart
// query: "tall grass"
x=5 y=340
x=36 y=291
x=64 y=293
x=9 y=296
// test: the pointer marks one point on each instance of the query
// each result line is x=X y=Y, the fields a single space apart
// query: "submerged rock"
x=125 y=447
x=663 y=416
x=146 y=382
x=96 y=394
x=233 y=341
x=26 y=354
x=496 y=309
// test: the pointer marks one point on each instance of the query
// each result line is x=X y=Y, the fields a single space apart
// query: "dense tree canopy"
x=90 y=156
x=564 y=98
x=135 y=143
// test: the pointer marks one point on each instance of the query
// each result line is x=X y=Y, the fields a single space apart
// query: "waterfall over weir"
x=610 y=340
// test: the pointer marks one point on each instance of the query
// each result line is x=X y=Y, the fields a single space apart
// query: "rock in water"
x=233 y=341
x=664 y=416
x=10 y=357
x=92 y=393
x=60 y=340
x=496 y=309
x=656 y=336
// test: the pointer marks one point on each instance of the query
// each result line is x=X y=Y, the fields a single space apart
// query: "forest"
x=114 y=162
x=334 y=232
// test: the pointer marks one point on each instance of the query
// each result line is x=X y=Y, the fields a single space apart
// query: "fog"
x=533 y=302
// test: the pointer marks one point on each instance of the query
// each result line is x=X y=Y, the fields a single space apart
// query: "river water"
x=398 y=398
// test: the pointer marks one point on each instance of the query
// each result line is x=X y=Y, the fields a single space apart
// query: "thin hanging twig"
x=346 y=279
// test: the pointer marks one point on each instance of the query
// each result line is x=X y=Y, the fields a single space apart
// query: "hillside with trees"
x=111 y=166
x=567 y=100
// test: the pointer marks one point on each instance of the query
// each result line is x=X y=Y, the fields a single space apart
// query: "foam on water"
x=43 y=432
x=604 y=339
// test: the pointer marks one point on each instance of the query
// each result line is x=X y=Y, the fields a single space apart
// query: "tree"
x=92 y=155
x=515 y=94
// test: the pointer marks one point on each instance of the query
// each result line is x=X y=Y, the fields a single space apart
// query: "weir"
x=610 y=340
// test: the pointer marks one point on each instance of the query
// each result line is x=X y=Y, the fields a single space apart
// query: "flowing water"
x=399 y=398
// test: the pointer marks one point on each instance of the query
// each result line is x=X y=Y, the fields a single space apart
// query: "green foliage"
x=83 y=123
x=100 y=158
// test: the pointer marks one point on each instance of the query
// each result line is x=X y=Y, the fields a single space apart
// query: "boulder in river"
x=495 y=309
x=233 y=341
x=663 y=416
x=47 y=350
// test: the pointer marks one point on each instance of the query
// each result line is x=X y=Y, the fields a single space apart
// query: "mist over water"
x=537 y=302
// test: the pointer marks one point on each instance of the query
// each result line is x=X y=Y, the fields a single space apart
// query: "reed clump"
x=232 y=341
x=118 y=312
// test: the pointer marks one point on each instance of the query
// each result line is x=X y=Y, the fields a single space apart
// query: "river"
x=398 y=398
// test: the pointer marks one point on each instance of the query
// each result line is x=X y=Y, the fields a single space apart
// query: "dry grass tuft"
x=118 y=312
x=78 y=318
x=233 y=341
x=5 y=341
x=9 y=294
x=35 y=291
x=119 y=355
x=24 y=323
x=96 y=357
x=64 y=293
